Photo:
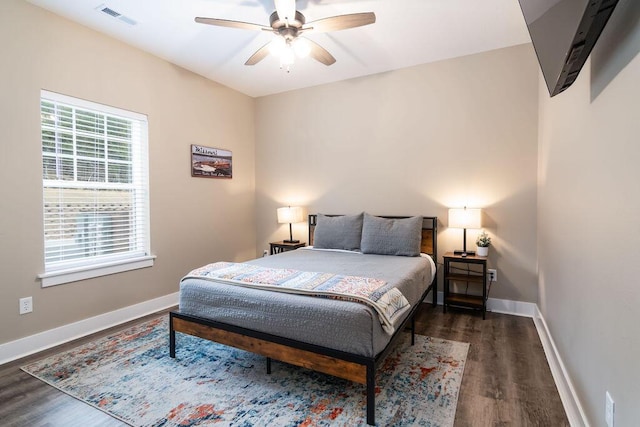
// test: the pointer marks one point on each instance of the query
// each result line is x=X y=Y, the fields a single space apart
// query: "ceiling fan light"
x=286 y=56
x=277 y=46
x=302 y=48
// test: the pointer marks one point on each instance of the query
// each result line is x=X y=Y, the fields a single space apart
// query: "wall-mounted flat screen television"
x=563 y=33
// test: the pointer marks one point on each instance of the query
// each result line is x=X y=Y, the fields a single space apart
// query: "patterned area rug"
x=130 y=376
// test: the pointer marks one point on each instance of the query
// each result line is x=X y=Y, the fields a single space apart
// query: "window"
x=95 y=189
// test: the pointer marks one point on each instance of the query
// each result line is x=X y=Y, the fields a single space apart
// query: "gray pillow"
x=385 y=236
x=338 y=232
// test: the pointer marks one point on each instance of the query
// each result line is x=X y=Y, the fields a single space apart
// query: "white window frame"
x=56 y=273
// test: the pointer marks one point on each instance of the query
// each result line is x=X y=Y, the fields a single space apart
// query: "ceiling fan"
x=288 y=25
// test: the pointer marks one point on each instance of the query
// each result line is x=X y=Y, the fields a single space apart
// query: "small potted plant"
x=483 y=242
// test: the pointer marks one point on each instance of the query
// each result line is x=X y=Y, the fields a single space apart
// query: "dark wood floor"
x=507 y=381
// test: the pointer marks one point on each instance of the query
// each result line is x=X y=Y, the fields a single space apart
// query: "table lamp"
x=465 y=218
x=289 y=215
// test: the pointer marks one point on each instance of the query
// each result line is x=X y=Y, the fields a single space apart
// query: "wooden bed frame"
x=349 y=366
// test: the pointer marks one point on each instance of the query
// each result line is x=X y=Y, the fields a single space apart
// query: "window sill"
x=60 y=277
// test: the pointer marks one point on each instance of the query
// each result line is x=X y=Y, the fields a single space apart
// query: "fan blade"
x=319 y=53
x=259 y=55
x=286 y=10
x=340 y=22
x=232 y=24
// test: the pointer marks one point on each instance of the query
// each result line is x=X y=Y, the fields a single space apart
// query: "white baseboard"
x=515 y=308
x=34 y=343
x=570 y=401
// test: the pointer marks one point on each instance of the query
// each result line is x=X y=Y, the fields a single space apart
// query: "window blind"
x=95 y=183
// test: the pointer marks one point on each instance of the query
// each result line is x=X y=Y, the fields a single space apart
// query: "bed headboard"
x=429 y=242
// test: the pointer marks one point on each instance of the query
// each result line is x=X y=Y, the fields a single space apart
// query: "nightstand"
x=279 y=247
x=477 y=277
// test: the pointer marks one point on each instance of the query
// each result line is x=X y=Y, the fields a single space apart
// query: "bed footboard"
x=332 y=362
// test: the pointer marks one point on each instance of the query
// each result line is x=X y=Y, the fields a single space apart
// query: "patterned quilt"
x=389 y=303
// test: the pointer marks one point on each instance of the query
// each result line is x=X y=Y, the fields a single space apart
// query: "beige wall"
x=589 y=223
x=414 y=141
x=193 y=220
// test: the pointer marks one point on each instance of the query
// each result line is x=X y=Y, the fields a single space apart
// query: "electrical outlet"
x=492 y=274
x=26 y=305
x=609 y=410
x=265 y=253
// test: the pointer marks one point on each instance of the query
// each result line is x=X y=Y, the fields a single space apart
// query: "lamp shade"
x=290 y=214
x=465 y=218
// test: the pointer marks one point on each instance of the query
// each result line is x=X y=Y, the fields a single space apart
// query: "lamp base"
x=460 y=252
x=291 y=241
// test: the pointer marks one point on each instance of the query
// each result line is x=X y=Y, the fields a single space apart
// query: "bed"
x=301 y=330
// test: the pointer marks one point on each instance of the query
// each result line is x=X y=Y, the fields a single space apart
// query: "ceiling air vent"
x=110 y=12
x=114 y=14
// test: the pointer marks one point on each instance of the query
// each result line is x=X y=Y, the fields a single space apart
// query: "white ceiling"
x=406 y=33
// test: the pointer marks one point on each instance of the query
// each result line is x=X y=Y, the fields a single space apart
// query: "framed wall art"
x=207 y=162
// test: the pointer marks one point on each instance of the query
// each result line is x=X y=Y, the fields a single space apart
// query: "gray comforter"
x=341 y=325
